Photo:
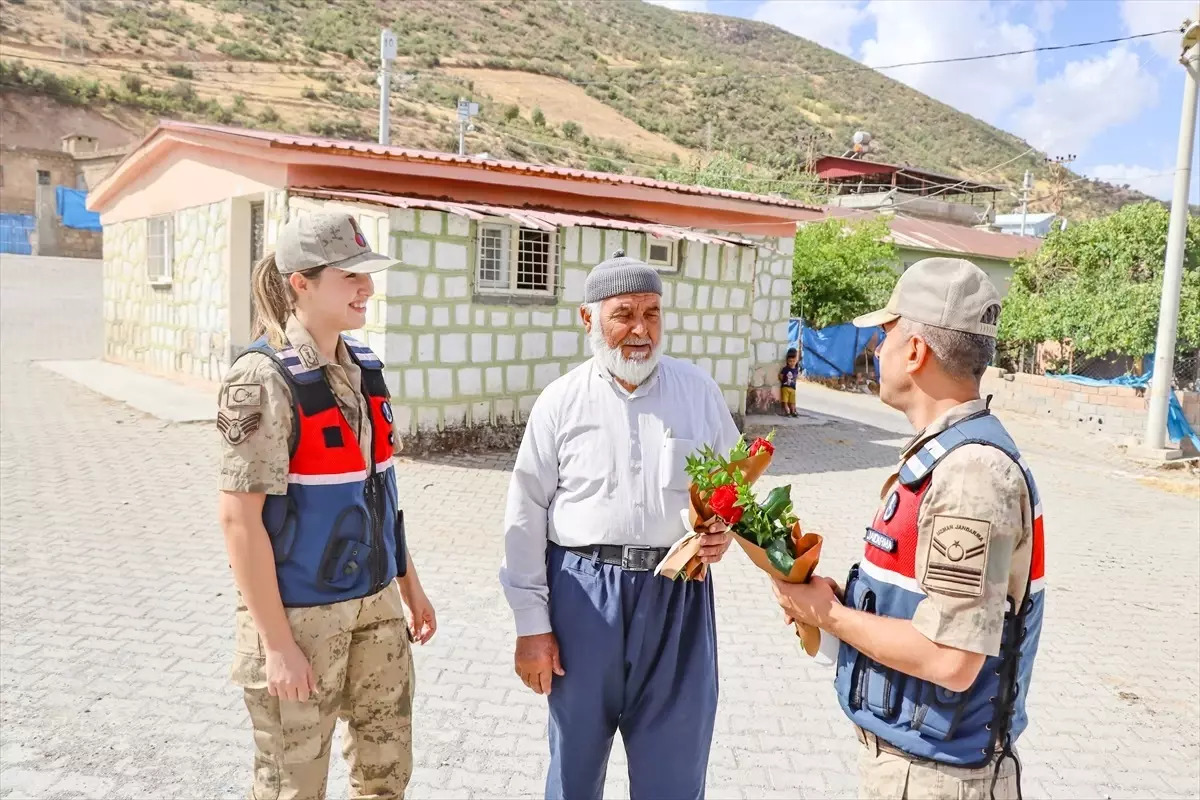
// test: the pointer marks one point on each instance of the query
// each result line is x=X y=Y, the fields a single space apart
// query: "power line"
x=865 y=68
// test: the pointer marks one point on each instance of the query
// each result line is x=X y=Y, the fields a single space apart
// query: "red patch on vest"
x=314 y=457
x=902 y=529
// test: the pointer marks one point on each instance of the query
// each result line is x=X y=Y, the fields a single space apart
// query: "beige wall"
x=186 y=177
x=180 y=327
x=19 y=192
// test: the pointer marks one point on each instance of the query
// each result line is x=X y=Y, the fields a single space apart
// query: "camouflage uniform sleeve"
x=254 y=419
x=970 y=522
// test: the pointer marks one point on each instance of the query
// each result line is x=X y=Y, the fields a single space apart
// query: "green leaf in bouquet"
x=777 y=502
x=779 y=553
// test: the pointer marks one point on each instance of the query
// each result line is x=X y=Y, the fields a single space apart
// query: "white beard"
x=632 y=371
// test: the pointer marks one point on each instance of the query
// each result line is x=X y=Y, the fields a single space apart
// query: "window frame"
x=167 y=275
x=672 y=262
x=511 y=253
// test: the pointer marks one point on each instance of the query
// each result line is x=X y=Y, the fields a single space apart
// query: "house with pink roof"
x=481 y=313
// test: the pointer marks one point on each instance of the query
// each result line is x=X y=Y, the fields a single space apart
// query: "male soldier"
x=941 y=619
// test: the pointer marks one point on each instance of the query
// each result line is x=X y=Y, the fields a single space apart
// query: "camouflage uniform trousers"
x=362 y=662
x=884 y=775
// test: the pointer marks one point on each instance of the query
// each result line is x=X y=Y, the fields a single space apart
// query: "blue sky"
x=1116 y=107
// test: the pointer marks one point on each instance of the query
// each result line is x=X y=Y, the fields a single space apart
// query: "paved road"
x=115 y=607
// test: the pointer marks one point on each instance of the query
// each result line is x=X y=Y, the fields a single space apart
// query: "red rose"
x=761 y=444
x=722 y=503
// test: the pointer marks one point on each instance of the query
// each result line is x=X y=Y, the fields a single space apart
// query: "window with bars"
x=516 y=260
x=159 y=249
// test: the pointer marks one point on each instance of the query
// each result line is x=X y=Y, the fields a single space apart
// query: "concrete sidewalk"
x=158 y=397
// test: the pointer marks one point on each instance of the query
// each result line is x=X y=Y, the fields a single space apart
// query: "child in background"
x=787 y=384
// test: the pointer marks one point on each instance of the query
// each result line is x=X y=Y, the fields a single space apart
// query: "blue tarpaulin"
x=72 y=209
x=1178 y=427
x=14 y=233
x=831 y=352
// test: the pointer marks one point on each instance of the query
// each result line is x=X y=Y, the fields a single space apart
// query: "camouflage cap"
x=947 y=293
x=323 y=239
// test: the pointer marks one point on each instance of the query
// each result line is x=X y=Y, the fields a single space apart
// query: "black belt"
x=871 y=741
x=629 y=557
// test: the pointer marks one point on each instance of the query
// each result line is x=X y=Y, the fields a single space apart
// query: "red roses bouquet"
x=769 y=532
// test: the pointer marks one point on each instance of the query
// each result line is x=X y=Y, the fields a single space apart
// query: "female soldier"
x=312 y=524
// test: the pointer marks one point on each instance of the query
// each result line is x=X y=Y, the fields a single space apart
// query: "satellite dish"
x=862 y=138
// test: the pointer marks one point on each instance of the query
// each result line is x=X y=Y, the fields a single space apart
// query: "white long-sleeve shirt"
x=600 y=465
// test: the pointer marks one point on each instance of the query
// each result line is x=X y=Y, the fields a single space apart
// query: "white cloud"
x=682 y=5
x=1085 y=99
x=829 y=23
x=914 y=30
x=1144 y=16
x=1044 y=12
x=1157 y=182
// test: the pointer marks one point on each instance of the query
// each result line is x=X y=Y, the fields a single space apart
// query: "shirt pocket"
x=673 y=463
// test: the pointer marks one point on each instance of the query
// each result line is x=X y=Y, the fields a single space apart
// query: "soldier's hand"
x=289 y=675
x=536 y=661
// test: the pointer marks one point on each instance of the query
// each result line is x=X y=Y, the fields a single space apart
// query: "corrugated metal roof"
x=925 y=234
x=425 y=156
x=841 y=166
x=540 y=219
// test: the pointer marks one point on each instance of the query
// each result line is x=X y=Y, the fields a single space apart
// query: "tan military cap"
x=326 y=239
x=947 y=293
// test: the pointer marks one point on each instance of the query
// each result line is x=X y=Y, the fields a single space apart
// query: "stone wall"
x=771 y=311
x=1116 y=411
x=74 y=243
x=459 y=360
x=180 y=326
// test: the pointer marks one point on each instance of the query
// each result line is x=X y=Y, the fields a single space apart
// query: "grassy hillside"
x=623 y=86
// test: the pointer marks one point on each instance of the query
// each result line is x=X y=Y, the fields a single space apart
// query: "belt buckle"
x=636 y=559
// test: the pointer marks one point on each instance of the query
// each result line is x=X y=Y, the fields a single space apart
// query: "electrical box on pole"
x=466 y=110
x=387 y=54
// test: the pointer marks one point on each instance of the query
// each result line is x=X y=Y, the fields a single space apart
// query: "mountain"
x=621 y=86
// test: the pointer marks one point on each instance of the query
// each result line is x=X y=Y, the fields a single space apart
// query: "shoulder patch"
x=243 y=395
x=956 y=563
x=237 y=429
x=308 y=356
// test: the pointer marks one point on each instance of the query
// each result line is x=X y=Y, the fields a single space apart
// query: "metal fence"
x=1055 y=358
x=15 y=230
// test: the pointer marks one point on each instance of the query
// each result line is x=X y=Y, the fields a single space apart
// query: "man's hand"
x=289 y=675
x=422 y=620
x=714 y=541
x=537 y=661
x=810 y=602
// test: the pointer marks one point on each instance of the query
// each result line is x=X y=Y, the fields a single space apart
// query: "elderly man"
x=593 y=506
x=941 y=618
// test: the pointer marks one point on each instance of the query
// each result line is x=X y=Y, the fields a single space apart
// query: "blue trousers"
x=640 y=656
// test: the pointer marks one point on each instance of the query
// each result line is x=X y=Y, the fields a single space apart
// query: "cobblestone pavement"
x=115 y=608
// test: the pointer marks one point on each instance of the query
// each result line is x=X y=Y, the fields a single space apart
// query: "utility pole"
x=1026 y=185
x=708 y=137
x=1058 y=181
x=1168 y=312
x=466 y=110
x=387 y=54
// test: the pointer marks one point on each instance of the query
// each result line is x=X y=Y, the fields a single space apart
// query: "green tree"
x=570 y=129
x=1098 y=284
x=511 y=112
x=539 y=118
x=841 y=270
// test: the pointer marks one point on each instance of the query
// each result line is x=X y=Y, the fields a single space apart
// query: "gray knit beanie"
x=620 y=275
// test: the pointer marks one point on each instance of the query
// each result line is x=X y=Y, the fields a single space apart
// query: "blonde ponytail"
x=273 y=301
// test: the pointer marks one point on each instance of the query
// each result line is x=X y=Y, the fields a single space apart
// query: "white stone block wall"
x=176 y=327
x=458 y=357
